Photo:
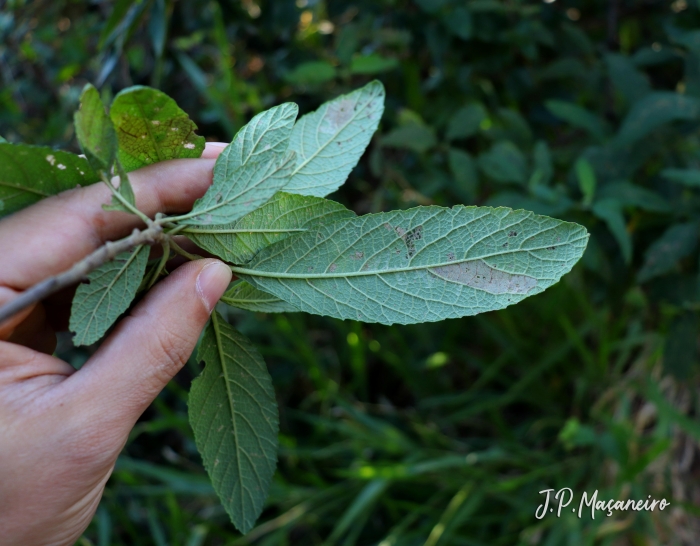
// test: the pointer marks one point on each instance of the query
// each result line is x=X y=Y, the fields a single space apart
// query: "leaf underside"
x=419 y=265
x=31 y=173
x=239 y=241
x=111 y=289
x=233 y=413
x=330 y=141
x=248 y=188
x=151 y=127
x=246 y=296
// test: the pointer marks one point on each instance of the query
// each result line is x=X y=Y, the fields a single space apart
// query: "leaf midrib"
x=224 y=373
x=109 y=287
x=368 y=273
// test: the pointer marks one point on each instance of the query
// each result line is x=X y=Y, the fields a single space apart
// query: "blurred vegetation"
x=436 y=434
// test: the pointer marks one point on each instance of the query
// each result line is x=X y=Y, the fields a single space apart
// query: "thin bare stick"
x=80 y=270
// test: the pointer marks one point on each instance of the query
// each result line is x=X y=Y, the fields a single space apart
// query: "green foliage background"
x=433 y=434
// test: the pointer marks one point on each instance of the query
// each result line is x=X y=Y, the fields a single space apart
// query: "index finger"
x=49 y=237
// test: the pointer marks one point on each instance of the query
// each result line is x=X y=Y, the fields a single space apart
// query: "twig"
x=80 y=270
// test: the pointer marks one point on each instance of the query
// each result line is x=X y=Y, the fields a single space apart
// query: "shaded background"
x=436 y=434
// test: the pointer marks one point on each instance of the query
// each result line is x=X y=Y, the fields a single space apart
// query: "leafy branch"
x=266 y=215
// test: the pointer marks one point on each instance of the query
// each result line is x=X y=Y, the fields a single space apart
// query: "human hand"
x=60 y=430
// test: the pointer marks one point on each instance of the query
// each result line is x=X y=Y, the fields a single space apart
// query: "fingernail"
x=217 y=144
x=212 y=282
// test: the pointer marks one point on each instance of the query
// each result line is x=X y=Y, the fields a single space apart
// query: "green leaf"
x=459 y=21
x=463 y=168
x=610 y=211
x=250 y=170
x=544 y=165
x=95 y=131
x=330 y=141
x=31 y=173
x=504 y=162
x=687 y=177
x=151 y=127
x=578 y=117
x=418 y=265
x=654 y=110
x=246 y=296
x=412 y=136
x=372 y=64
x=631 y=195
x=586 y=180
x=277 y=219
x=236 y=193
x=466 y=121
x=629 y=82
x=311 y=73
x=111 y=289
x=677 y=242
x=2 y=140
x=265 y=137
x=233 y=413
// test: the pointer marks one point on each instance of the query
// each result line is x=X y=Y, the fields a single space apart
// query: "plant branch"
x=80 y=270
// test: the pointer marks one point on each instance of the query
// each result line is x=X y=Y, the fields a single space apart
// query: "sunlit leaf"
x=30 y=173
x=95 y=131
x=151 y=127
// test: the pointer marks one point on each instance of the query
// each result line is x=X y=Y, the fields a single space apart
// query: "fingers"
x=151 y=345
x=49 y=237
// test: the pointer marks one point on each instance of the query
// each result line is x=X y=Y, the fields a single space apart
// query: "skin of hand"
x=61 y=430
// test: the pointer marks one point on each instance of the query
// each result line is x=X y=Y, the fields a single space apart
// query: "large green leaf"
x=109 y=292
x=246 y=296
x=151 y=127
x=677 y=242
x=95 y=131
x=419 y=265
x=30 y=173
x=233 y=413
x=233 y=194
x=280 y=217
x=264 y=137
x=330 y=141
x=654 y=110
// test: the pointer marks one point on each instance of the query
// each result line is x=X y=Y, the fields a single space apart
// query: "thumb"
x=151 y=345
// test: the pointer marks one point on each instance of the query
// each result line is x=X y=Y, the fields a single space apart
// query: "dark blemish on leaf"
x=359 y=255
x=505 y=245
x=332 y=268
x=309 y=269
x=388 y=226
x=512 y=233
x=410 y=238
x=450 y=256
x=550 y=248
x=218 y=198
